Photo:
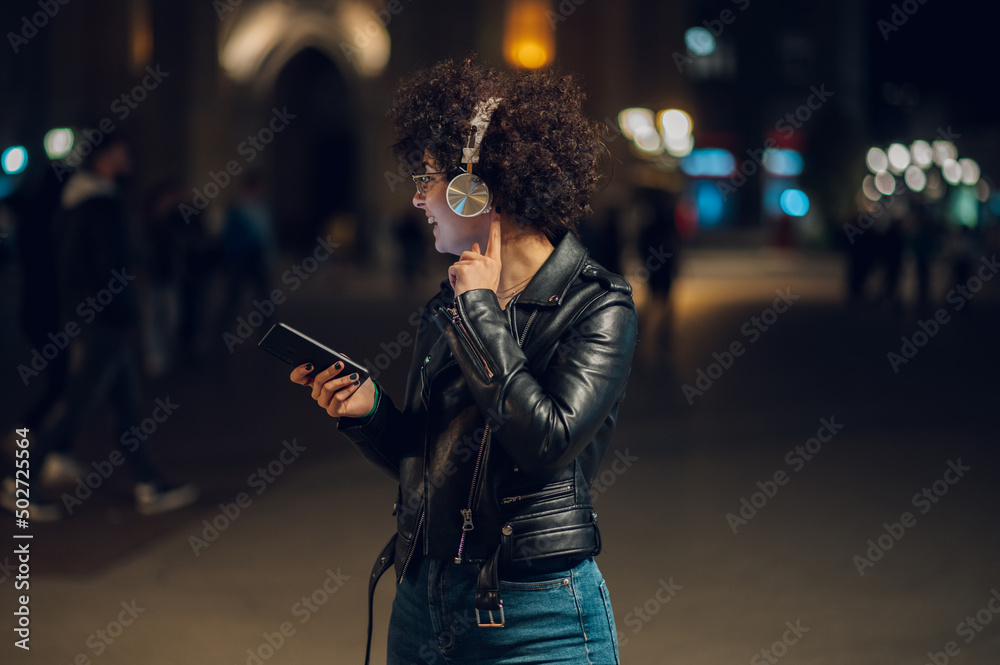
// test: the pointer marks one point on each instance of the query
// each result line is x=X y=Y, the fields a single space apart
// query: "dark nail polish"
x=336 y=365
x=353 y=376
x=309 y=367
x=357 y=383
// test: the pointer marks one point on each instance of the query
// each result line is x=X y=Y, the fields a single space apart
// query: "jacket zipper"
x=524 y=333
x=413 y=547
x=552 y=491
x=457 y=320
x=467 y=524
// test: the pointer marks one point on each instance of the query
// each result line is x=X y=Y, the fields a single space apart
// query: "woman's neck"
x=522 y=252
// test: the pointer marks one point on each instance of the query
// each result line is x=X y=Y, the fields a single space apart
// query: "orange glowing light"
x=528 y=39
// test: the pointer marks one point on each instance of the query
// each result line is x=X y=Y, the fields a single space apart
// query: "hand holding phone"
x=295 y=348
x=339 y=385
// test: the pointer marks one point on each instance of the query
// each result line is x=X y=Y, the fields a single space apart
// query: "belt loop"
x=488 y=592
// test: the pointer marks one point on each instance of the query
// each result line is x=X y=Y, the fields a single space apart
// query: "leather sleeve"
x=384 y=437
x=389 y=434
x=545 y=421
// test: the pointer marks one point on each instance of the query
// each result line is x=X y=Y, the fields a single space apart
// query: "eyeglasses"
x=423 y=180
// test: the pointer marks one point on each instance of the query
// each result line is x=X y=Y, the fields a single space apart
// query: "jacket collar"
x=550 y=283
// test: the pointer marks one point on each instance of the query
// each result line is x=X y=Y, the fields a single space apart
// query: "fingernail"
x=353 y=376
x=357 y=383
x=309 y=367
x=336 y=365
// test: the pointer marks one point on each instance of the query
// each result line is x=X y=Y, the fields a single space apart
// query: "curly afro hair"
x=539 y=155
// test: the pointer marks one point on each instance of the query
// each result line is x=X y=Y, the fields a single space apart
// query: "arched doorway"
x=314 y=163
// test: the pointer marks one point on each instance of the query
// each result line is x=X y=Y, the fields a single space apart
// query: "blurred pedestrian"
x=163 y=229
x=40 y=315
x=658 y=248
x=249 y=247
x=892 y=244
x=600 y=235
x=926 y=244
x=94 y=257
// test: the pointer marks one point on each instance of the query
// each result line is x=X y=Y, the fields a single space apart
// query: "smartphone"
x=286 y=343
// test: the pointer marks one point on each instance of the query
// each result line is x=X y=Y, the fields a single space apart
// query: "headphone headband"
x=480 y=122
x=467 y=194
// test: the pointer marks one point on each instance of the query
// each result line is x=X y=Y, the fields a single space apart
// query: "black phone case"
x=295 y=348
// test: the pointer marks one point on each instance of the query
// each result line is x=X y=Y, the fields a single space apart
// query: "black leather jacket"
x=507 y=415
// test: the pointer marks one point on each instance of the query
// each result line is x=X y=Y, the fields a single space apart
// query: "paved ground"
x=109 y=587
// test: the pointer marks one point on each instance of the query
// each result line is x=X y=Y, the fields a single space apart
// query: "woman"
x=519 y=364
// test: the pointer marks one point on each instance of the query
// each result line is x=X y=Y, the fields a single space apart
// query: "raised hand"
x=478 y=270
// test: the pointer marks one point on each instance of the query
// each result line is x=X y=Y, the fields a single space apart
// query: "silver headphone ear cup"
x=468 y=195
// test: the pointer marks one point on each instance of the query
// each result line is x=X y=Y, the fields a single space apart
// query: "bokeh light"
x=14 y=159
x=529 y=42
x=709 y=163
x=58 y=142
x=877 y=160
x=869 y=189
x=935 y=188
x=921 y=153
x=983 y=191
x=647 y=139
x=679 y=146
x=943 y=151
x=631 y=120
x=675 y=122
x=899 y=157
x=885 y=183
x=785 y=163
x=952 y=172
x=794 y=202
x=970 y=171
x=915 y=178
x=699 y=41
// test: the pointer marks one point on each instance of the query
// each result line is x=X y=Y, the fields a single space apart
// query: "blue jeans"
x=555 y=613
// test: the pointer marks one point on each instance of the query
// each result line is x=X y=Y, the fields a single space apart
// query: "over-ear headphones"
x=468 y=195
